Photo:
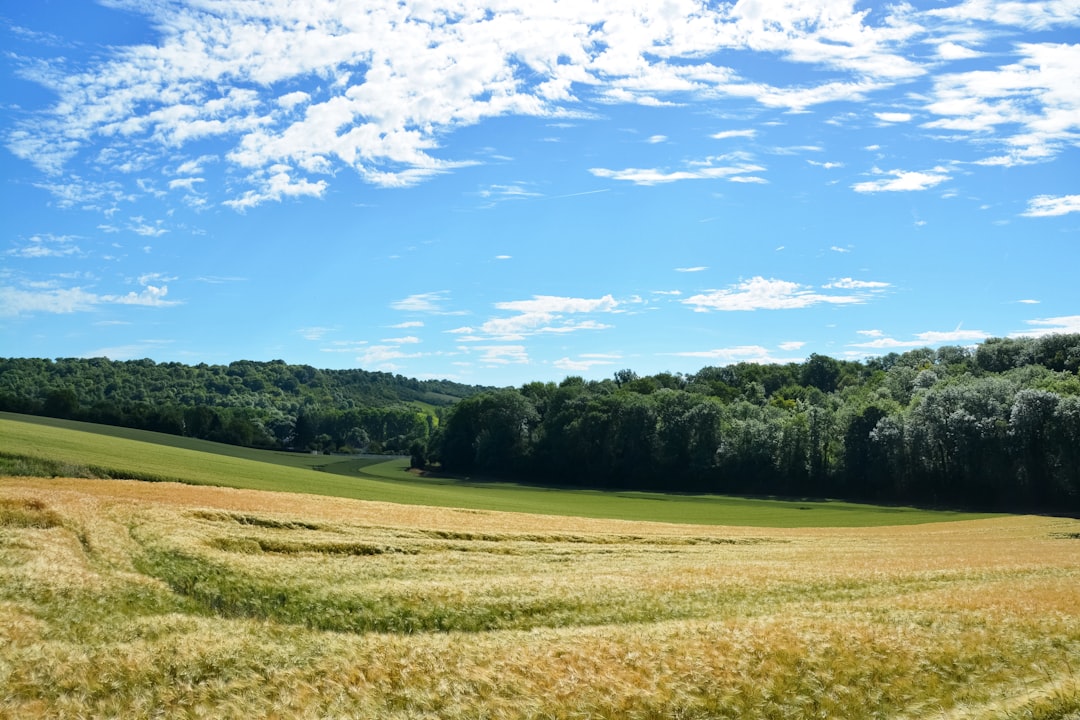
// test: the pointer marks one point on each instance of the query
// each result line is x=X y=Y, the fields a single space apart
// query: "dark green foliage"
x=27 y=466
x=253 y=404
x=996 y=427
x=989 y=429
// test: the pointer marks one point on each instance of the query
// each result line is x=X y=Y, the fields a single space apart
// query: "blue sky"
x=515 y=190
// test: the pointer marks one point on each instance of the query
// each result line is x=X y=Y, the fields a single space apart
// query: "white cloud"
x=140 y=226
x=586 y=362
x=291 y=100
x=275 y=185
x=726 y=134
x=1051 y=205
x=499 y=354
x=507 y=192
x=15 y=301
x=903 y=181
x=187 y=183
x=742 y=353
x=127 y=352
x=731 y=167
x=656 y=139
x=147 y=278
x=551 y=304
x=429 y=302
x=1030 y=108
x=383 y=356
x=922 y=339
x=396 y=78
x=696 y=268
x=408 y=324
x=406 y=340
x=1066 y=324
x=850 y=284
x=345 y=346
x=1029 y=14
x=74 y=191
x=759 y=293
x=150 y=296
x=893 y=117
x=791 y=345
x=47 y=245
x=195 y=166
x=542 y=314
x=952 y=51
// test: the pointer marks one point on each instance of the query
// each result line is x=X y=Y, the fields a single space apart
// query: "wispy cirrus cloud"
x=497 y=355
x=1052 y=205
x=1032 y=15
x=540 y=315
x=903 y=180
x=1065 y=324
x=741 y=353
x=759 y=293
x=21 y=301
x=432 y=303
x=127 y=352
x=586 y=361
x=923 y=339
x=734 y=167
x=385 y=357
x=728 y=134
x=852 y=284
x=47 y=245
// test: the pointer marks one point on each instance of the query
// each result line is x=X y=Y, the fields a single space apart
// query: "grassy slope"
x=145 y=455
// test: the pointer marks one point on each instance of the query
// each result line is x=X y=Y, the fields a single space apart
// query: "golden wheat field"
x=127 y=599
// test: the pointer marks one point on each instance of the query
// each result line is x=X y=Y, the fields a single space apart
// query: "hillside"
x=259 y=404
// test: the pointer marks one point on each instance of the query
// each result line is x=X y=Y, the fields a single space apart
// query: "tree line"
x=255 y=404
x=996 y=427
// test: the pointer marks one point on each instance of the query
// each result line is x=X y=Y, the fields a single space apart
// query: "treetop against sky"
x=509 y=191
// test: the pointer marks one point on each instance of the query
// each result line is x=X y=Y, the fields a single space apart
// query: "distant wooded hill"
x=996 y=426
x=259 y=404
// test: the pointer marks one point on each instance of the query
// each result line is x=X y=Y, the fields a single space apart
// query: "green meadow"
x=107 y=451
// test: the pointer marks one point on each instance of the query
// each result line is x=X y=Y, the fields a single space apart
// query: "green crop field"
x=121 y=452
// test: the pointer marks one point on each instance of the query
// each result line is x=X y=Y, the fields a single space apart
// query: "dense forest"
x=256 y=404
x=996 y=426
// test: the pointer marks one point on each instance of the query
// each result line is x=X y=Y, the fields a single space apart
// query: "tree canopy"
x=996 y=426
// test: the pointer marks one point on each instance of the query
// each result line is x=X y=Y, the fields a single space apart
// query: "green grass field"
x=123 y=452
